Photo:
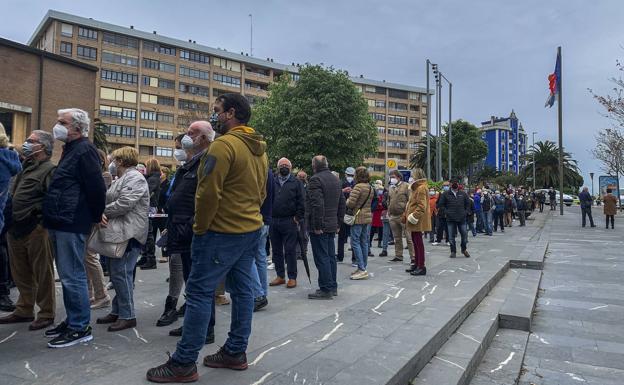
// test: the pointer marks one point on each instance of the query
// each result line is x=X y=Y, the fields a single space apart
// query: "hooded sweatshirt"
x=231 y=185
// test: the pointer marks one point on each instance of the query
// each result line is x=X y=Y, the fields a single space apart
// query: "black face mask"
x=284 y=171
x=217 y=125
x=454 y=186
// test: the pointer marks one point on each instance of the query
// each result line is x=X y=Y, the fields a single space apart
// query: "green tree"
x=486 y=174
x=468 y=148
x=547 y=167
x=321 y=113
x=100 y=129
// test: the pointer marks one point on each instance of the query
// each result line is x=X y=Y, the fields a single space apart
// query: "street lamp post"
x=450 y=128
x=438 y=79
x=428 y=123
x=591 y=176
x=534 y=132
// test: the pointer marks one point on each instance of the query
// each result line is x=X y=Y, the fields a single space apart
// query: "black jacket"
x=289 y=199
x=325 y=203
x=586 y=199
x=455 y=207
x=181 y=208
x=162 y=197
x=76 y=197
x=153 y=183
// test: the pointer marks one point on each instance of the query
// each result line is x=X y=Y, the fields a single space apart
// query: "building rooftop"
x=191 y=45
x=49 y=55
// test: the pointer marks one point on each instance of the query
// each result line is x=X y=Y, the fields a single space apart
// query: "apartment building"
x=507 y=143
x=150 y=86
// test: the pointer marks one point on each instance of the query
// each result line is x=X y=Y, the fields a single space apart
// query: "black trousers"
x=499 y=220
x=343 y=235
x=442 y=230
x=4 y=266
x=586 y=211
x=149 y=250
x=284 y=234
x=612 y=219
x=373 y=231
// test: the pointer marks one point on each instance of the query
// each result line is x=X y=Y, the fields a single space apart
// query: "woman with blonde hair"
x=418 y=220
x=124 y=223
x=360 y=203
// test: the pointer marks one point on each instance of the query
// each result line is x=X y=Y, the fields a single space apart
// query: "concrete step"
x=517 y=311
x=457 y=360
x=502 y=362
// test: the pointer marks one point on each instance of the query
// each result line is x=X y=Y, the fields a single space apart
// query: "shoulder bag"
x=349 y=218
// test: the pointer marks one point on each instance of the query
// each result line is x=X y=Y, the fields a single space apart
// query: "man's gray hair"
x=205 y=128
x=80 y=119
x=585 y=188
x=319 y=161
x=46 y=139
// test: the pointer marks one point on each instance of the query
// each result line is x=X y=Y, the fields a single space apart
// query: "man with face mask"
x=456 y=204
x=288 y=213
x=345 y=230
x=29 y=244
x=73 y=203
x=398 y=196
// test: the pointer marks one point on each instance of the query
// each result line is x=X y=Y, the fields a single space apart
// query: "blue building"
x=507 y=143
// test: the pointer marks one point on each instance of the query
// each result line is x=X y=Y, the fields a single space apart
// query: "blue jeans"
x=487 y=221
x=324 y=253
x=215 y=256
x=69 y=252
x=452 y=232
x=121 y=272
x=259 y=269
x=359 y=244
x=387 y=232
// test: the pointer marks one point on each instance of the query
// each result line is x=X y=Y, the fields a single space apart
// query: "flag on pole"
x=554 y=83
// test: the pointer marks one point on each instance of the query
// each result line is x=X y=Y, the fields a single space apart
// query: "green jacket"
x=231 y=184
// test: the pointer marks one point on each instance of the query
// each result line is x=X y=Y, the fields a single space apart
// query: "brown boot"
x=122 y=324
x=277 y=281
x=107 y=319
x=14 y=318
x=40 y=323
x=292 y=283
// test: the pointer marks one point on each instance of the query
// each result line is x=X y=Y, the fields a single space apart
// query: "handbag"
x=349 y=218
x=107 y=249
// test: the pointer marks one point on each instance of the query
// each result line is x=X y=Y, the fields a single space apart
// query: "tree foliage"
x=547 y=167
x=321 y=113
x=468 y=148
x=613 y=104
x=609 y=150
x=99 y=135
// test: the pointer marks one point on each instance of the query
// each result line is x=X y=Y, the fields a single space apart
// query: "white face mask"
x=394 y=181
x=187 y=142
x=179 y=154
x=60 y=133
x=349 y=179
x=432 y=193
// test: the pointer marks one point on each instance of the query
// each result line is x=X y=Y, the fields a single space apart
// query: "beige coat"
x=397 y=199
x=419 y=206
x=357 y=198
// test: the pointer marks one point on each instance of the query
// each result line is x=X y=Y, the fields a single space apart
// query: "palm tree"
x=419 y=159
x=100 y=129
x=547 y=167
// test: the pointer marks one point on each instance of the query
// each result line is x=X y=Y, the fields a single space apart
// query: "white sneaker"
x=360 y=275
x=435 y=243
x=271 y=266
x=101 y=303
x=355 y=272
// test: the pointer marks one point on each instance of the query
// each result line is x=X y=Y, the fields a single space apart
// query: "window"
x=160 y=48
x=192 y=105
x=164 y=83
x=371 y=102
x=164 y=151
x=119 y=77
x=147 y=133
x=414 y=96
x=164 y=134
x=149 y=98
x=151 y=64
x=195 y=90
x=370 y=89
x=193 y=73
x=66 y=48
x=381 y=130
x=119 y=130
x=397 y=119
x=67 y=30
x=252 y=99
x=256 y=86
x=120 y=40
x=413 y=121
x=380 y=103
x=423 y=123
x=148 y=115
x=264 y=73
x=162 y=117
x=87 y=52
x=217 y=92
x=397 y=131
x=378 y=117
x=118 y=112
x=229 y=65
x=380 y=91
x=295 y=77
x=118 y=95
x=166 y=101
x=414 y=108
x=156 y=82
x=397 y=106
x=87 y=33
x=115 y=58
x=398 y=94
x=167 y=67
x=226 y=80
x=194 y=56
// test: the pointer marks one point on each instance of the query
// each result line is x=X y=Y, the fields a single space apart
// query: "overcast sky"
x=498 y=54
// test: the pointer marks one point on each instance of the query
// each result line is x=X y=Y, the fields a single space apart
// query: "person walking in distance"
x=610 y=208
x=325 y=210
x=231 y=187
x=288 y=212
x=586 y=205
x=397 y=202
x=456 y=203
x=345 y=230
x=499 y=212
x=552 y=195
x=418 y=220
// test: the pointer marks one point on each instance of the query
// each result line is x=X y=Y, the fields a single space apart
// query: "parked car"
x=568 y=200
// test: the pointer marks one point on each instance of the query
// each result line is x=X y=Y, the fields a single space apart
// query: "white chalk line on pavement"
x=262 y=379
x=326 y=336
x=261 y=355
x=503 y=363
x=9 y=337
x=450 y=362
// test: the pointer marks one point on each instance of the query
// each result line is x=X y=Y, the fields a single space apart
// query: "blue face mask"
x=445 y=188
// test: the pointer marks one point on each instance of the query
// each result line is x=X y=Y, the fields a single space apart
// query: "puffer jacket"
x=398 y=197
x=419 y=206
x=361 y=196
x=127 y=207
x=153 y=183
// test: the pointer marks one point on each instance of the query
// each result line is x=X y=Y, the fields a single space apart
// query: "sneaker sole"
x=223 y=366
x=164 y=380
x=75 y=342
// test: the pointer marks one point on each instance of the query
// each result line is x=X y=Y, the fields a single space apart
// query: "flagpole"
x=560 y=119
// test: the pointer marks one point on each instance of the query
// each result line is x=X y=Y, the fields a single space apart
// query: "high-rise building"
x=151 y=86
x=506 y=141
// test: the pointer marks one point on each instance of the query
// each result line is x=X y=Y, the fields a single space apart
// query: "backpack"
x=500 y=205
x=486 y=205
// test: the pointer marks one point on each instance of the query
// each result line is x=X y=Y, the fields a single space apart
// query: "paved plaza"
x=370 y=331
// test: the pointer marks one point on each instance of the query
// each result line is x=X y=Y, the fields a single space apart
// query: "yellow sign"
x=391 y=163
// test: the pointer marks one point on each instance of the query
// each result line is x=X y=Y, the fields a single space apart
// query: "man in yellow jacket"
x=231 y=184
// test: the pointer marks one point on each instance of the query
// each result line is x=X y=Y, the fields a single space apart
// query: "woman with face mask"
x=377 y=208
